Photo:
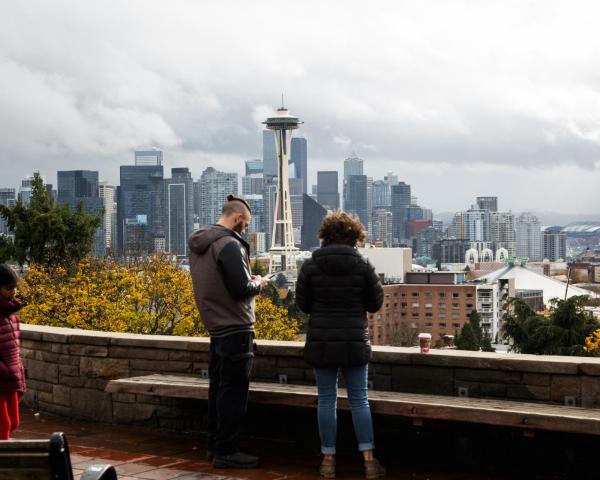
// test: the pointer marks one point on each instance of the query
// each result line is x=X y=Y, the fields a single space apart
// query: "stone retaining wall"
x=67 y=372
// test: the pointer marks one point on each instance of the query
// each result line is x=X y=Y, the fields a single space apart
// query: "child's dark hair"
x=7 y=275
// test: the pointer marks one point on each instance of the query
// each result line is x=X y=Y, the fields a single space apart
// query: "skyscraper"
x=80 y=187
x=528 y=236
x=148 y=158
x=108 y=195
x=140 y=209
x=356 y=197
x=400 y=197
x=299 y=158
x=254 y=167
x=313 y=214
x=269 y=154
x=487 y=203
x=257 y=205
x=382 y=227
x=328 y=194
x=473 y=225
x=179 y=213
x=353 y=165
x=554 y=243
x=381 y=194
x=214 y=188
x=8 y=197
x=503 y=231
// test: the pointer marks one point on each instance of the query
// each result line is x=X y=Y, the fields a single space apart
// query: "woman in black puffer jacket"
x=337 y=287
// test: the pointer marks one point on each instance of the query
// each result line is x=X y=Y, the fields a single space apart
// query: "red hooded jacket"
x=12 y=375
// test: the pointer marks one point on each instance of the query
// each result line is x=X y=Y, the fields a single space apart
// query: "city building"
x=416 y=226
x=381 y=195
x=108 y=194
x=313 y=214
x=451 y=250
x=391 y=264
x=327 y=190
x=382 y=227
x=474 y=224
x=254 y=167
x=269 y=154
x=214 y=186
x=8 y=198
x=400 y=198
x=258 y=243
x=487 y=203
x=356 y=198
x=502 y=235
x=528 y=237
x=257 y=206
x=425 y=240
x=140 y=208
x=253 y=184
x=298 y=158
x=81 y=187
x=353 y=165
x=554 y=244
x=179 y=214
x=148 y=158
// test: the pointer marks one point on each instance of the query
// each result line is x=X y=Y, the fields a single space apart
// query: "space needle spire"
x=282 y=253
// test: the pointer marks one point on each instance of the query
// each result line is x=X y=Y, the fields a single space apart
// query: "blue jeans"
x=357 y=385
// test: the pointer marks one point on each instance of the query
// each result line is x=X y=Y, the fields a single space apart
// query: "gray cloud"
x=471 y=89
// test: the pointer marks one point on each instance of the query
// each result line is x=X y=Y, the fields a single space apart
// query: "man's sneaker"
x=235 y=460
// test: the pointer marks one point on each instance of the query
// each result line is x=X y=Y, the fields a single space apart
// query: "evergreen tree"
x=49 y=234
x=471 y=335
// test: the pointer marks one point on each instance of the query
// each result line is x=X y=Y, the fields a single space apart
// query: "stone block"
x=201 y=357
x=420 y=379
x=47 y=372
x=149 y=399
x=380 y=369
x=496 y=390
x=158 y=342
x=60 y=348
x=92 y=404
x=44 y=356
x=199 y=366
x=103 y=367
x=590 y=367
x=75 y=382
x=61 y=395
x=473 y=389
x=528 y=392
x=38 y=386
x=28 y=344
x=293 y=374
x=132 y=412
x=179 y=355
x=391 y=356
x=290 y=362
x=52 y=337
x=52 y=408
x=590 y=392
x=124 y=397
x=538 y=379
x=280 y=349
x=46 y=397
x=68 y=370
x=137 y=353
x=381 y=382
x=68 y=360
x=489 y=376
x=88 y=350
x=27 y=353
x=89 y=338
x=158 y=366
x=264 y=367
x=563 y=386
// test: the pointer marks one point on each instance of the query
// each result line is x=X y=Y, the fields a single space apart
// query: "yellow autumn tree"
x=151 y=296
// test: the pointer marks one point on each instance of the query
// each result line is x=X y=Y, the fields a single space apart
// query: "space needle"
x=283 y=252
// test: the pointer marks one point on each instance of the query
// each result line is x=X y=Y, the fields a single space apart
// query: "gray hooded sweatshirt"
x=223 y=284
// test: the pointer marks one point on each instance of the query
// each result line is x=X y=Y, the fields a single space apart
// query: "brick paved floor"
x=141 y=453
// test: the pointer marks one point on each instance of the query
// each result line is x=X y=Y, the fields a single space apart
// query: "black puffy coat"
x=337 y=287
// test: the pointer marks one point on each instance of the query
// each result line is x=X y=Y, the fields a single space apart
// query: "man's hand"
x=263 y=281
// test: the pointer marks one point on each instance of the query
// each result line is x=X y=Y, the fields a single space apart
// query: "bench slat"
x=422 y=406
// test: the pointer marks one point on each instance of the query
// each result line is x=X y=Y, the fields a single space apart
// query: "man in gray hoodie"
x=225 y=289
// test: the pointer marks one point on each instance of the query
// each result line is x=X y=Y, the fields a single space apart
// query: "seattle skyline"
x=510 y=115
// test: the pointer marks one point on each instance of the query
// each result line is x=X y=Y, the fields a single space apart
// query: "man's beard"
x=239 y=228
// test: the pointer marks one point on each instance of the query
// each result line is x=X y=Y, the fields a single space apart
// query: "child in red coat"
x=12 y=377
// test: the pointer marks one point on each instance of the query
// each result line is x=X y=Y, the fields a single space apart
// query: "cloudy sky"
x=458 y=98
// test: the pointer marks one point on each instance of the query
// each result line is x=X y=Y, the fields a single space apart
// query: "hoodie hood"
x=7 y=308
x=204 y=237
x=337 y=259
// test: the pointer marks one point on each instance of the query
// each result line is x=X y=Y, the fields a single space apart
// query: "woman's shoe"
x=327 y=468
x=373 y=469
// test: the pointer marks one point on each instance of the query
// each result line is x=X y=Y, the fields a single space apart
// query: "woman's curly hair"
x=342 y=228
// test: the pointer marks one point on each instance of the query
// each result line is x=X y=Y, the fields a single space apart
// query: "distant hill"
x=546 y=218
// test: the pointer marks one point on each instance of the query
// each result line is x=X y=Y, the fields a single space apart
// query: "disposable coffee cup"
x=425 y=342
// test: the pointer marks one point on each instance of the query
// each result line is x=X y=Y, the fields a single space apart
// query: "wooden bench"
x=419 y=407
x=45 y=460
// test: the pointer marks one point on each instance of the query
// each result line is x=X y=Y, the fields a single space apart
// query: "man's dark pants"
x=230 y=362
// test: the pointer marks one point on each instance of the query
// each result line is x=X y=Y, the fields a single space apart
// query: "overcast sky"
x=458 y=98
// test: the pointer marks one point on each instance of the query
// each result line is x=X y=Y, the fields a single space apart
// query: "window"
x=403 y=294
x=455 y=295
x=404 y=304
x=415 y=305
x=441 y=295
x=441 y=315
x=427 y=294
x=455 y=305
x=469 y=295
x=442 y=325
x=428 y=315
x=429 y=324
x=428 y=305
x=469 y=305
x=441 y=305
x=456 y=325
x=415 y=294
x=403 y=314
x=415 y=314
x=455 y=316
